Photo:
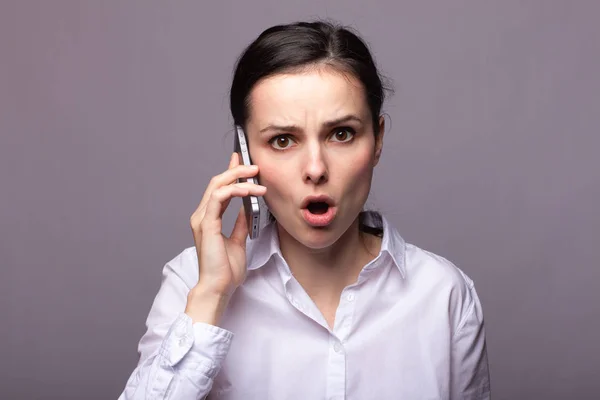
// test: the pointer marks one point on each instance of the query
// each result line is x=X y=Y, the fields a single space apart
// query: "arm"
x=179 y=358
x=470 y=375
x=183 y=349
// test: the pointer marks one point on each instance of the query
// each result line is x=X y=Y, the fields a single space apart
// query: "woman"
x=329 y=301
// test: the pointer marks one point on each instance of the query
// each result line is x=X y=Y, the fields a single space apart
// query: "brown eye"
x=281 y=142
x=343 y=135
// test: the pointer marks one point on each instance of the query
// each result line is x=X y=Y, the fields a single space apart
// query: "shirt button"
x=350 y=297
x=337 y=348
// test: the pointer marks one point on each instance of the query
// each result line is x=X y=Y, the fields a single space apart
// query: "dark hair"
x=302 y=45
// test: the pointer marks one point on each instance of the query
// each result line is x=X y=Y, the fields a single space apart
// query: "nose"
x=315 y=165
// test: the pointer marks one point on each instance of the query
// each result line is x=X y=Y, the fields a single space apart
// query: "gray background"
x=114 y=116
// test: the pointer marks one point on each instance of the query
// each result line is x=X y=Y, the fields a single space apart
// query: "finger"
x=231 y=176
x=237 y=159
x=220 y=198
x=233 y=160
x=226 y=178
x=240 y=229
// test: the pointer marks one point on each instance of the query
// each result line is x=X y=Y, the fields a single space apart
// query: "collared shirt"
x=411 y=327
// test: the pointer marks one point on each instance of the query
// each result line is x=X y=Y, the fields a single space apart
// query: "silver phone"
x=250 y=202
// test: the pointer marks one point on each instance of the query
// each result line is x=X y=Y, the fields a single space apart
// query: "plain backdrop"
x=114 y=116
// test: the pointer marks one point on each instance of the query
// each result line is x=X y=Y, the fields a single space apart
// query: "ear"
x=379 y=140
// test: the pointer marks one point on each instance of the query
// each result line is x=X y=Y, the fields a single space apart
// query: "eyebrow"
x=328 y=124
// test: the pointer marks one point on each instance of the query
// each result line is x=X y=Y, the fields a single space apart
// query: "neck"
x=324 y=273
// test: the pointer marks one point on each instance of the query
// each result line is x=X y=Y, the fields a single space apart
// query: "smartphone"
x=251 y=206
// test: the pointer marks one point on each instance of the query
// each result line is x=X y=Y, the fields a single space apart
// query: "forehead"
x=315 y=94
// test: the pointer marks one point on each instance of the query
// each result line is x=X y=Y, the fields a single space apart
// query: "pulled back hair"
x=297 y=47
x=301 y=45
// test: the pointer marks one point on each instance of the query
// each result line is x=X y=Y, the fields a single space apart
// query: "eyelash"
x=351 y=131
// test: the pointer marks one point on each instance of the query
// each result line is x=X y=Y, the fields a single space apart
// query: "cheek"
x=274 y=178
x=361 y=167
x=357 y=179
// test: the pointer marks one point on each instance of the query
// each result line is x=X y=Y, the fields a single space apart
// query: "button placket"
x=336 y=371
x=345 y=314
x=336 y=377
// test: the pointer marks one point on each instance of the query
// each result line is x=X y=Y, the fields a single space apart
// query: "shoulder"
x=440 y=282
x=419 y=265
x=424 y=264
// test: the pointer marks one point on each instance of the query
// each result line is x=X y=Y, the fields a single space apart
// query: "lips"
x=318 y=211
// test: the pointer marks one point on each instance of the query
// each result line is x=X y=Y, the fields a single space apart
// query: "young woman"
x=328 y=302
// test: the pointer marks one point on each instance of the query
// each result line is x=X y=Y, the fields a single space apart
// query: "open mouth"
x=317 y=207
x=319 y=211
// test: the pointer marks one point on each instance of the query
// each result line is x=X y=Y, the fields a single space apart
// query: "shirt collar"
x=393 y=244
x=260 y=250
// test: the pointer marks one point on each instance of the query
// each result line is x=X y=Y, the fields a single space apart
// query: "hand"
x=221 y=259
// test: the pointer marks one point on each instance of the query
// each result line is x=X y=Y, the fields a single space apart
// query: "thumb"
x=240 y=229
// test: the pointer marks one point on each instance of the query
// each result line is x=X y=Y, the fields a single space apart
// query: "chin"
x=313 y=238
x=317 y=240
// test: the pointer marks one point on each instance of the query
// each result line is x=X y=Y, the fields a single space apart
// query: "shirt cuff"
x=196 y=346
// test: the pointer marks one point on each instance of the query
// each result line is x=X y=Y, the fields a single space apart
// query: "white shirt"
x=411 y=327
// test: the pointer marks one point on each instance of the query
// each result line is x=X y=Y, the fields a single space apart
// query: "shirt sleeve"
x=470 y=379
x=178 y=359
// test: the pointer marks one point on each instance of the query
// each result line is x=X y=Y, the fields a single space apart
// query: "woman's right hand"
x=221 y=259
